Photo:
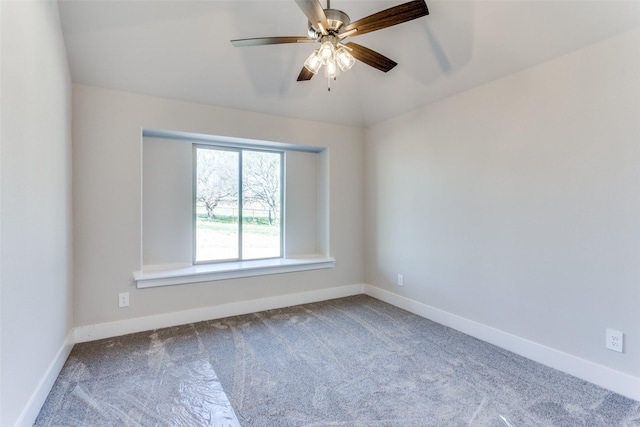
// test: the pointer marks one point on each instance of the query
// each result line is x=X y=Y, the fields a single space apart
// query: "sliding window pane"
x=217 y=205
x=261 y=202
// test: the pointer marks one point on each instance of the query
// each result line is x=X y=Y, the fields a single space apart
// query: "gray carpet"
x=348 y=362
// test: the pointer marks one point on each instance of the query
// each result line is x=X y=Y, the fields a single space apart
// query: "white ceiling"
x=181 y=50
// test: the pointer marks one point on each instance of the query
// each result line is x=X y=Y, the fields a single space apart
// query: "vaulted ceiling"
x=181 y=50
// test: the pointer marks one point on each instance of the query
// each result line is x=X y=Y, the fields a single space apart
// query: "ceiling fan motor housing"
x=336 y=19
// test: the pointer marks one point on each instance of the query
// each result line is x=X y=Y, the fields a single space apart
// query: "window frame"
x=281 y=219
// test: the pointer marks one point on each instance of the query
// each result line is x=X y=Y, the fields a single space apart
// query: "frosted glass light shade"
x=331 y=69
x=344 y=59
x=326 y=50
x=313 y=62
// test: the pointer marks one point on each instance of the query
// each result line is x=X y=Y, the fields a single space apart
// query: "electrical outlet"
x=400 y=281
x=615 y=340
x=123 y=299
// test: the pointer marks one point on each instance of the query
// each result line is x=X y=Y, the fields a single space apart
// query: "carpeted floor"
x=348 y=362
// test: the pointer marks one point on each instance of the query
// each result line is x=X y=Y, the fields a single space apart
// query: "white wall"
x=35 y=220
x=516 y=204
x=301 y=205
x=107 y=201
x=167 y=196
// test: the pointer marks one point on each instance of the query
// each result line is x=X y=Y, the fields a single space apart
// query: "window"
x=237 y=204
x=245 y=229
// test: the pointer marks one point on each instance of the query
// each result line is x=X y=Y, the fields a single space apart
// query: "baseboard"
x=608 y=378
x=33 y=406
x=141 y=324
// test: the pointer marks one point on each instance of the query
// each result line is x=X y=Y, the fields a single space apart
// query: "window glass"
x=234 y=221
x=261 y=201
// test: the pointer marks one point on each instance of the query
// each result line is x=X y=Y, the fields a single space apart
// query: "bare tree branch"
x=216 y=178
x=261 y=181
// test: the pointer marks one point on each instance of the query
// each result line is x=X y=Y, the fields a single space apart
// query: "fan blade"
x=389 y=17
x=304 y=75
x=371 y=57
x=261 y=41
x=314 y=12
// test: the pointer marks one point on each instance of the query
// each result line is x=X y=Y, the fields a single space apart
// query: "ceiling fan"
x=330 y=27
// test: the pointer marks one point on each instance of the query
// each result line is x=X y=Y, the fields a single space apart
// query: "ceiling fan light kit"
x=333 y=55
x=330 y=26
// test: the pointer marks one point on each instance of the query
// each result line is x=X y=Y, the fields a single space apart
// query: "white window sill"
x=228 y=270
